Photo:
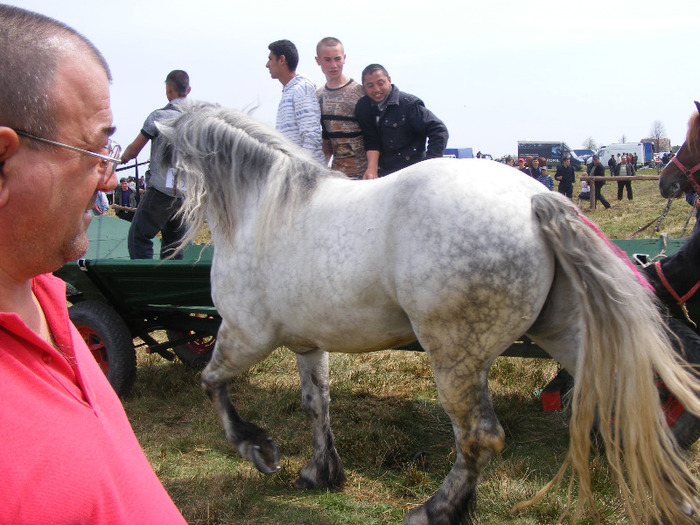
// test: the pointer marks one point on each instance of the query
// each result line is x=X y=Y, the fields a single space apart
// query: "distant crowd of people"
x=536 y=167
x=622 y=165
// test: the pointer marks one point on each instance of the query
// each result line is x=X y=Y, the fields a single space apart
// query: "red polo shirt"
x=67 y=451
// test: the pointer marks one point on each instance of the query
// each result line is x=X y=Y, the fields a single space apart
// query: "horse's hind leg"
x=251 y=441
x=478 y=435
x=324 y=469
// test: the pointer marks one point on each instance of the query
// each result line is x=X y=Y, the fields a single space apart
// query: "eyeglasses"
x=108 y=162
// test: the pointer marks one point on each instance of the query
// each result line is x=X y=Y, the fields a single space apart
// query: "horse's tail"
x=624 y=341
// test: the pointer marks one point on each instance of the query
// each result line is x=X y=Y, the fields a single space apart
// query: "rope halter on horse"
x=681 y=300
x=688 y=172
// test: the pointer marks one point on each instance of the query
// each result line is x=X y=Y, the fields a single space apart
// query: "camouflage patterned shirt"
x=341 y=127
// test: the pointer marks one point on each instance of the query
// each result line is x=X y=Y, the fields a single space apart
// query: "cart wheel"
x=684 y=425
x=195 y=354
x=109 y=340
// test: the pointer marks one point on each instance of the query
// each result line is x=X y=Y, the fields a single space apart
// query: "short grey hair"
x=32 y=46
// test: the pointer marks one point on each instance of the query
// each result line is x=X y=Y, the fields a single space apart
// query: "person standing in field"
x=566 y=176
x=612 y=163
x=298 y=114
x=596 y=169
x=395 y=125
x=624 y=169
x=342 y=136
x=158 y=208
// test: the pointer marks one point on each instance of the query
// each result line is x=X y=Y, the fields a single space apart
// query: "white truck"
x=621 y=148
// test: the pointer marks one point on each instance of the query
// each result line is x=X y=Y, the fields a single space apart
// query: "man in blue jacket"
x=395 y=125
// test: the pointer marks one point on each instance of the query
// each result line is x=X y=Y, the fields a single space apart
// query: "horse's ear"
x=697 y=105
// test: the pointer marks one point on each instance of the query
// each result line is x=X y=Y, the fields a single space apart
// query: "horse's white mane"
x=230 y=162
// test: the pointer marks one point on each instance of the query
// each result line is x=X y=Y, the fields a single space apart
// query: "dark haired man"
x=534 y=169
x=157 y=210
x=395 y=125
x=124 y=200
x=68 y=454
x=612 y=163
x=298 y=113
x=566 y=176
x=596 y=169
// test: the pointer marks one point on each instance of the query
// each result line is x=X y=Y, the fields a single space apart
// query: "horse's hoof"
x=417 y=516
x=263 y=454
x=325 y=473
x=302 y=483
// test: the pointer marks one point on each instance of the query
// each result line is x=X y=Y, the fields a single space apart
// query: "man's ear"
x=9 y=142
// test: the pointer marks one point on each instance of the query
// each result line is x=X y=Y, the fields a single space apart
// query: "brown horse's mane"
x=692 y=140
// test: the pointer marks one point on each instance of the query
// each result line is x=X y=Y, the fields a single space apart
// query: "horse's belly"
x=349 y=327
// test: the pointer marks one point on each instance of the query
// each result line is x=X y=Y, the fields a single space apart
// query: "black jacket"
x=568 y=176
x=401 y=131
x=597 y=171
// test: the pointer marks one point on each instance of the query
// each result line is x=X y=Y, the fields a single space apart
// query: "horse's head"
x=681 y=174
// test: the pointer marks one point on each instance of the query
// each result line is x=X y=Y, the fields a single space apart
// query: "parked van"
x=553 y=151
x=641 y=149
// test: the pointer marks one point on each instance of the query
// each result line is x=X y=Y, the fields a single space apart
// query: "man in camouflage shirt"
x=342 y=137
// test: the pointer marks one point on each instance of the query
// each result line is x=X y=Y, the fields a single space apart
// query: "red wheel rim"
x=95 y=345
x=200 y=346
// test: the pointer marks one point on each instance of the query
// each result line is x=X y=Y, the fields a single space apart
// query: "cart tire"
x=684 y=425
x=109 y=341
x=195 y=354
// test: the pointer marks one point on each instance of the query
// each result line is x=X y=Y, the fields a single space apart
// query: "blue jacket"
x=401 y=131
x=546 y=180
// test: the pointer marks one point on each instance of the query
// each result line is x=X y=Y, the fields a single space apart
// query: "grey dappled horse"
x=465 y=256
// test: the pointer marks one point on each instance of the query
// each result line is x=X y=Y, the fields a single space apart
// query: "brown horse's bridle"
x=688 y=172
x=669 y=288
x=681 y=299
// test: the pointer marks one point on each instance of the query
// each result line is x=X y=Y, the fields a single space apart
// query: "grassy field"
x=395 y=441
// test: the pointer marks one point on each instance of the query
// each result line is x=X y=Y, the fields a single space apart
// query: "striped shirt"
x=299 y=116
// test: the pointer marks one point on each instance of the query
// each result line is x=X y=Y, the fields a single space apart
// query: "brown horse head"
x=683 y=172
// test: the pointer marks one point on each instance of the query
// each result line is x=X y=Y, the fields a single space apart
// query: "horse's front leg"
x=324 y=469
x=251 y=441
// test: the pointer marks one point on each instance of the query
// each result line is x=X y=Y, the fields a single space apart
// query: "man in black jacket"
x=596 y=169
x=395 y=125
x=612 y=163
x=566 y=176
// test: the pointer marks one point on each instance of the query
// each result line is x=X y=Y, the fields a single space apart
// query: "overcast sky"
x=494 y=71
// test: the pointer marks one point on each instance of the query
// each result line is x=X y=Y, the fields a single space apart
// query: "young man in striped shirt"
x=298 y=114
